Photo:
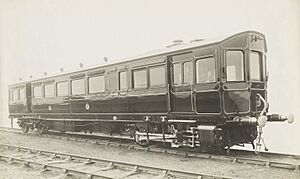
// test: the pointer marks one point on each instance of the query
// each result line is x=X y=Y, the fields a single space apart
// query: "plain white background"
x=38 y=36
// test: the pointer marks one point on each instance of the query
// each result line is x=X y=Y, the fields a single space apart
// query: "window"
x=187 y=73
x=15 y=95
x=10 y=95
x=157 y=76
x=37 y=91
x=96 y=84
x=235 y=65
x=122 y=81
x=140 y=78
x=255 y=66
x=62 y=88
x=177 y=78
x=205 y=70
x=49 y=90
x=78 y=86
x=22 y=94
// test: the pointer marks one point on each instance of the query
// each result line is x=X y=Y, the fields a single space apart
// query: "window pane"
x=78 y=87
x=139 y=79
x=96 y=84
x=10 y=95
x=22 y=94
x=205 y=70
x=15 y=95
x=188 y=73
x=255 y=69
x=49 y=90
x=157 y=76
x=235 y=66
x=123 y=81
x=37 y=91
x=177 y=74
x=62 y=89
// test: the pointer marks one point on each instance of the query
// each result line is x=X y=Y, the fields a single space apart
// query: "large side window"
x=177 y=77
x=157 y=76
x=37 y=91
x=22 y=94
x=122 y=81
x=49 y=90
x=78 y=86
x=15 y=95
x=96 y=84
x=235 y=66
x=255 y=66
x=187 y=73
x=205 y=70
x=62 y=88
x=140 y=78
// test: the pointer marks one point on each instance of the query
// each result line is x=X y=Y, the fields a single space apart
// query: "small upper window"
x=255 y=66
x=22 y=94
x=177 y=78
x=188 y=73
x=235 y=65
x=157 y=76
x=62 y=88
x=37 y=91
x=78 y=86
x=15 y=95
x=49 y=90
x=205 y=70
x=140 y=78
x=96 y=84
x=122 y=81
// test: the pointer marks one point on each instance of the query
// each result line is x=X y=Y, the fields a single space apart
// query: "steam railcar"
x=200 y=94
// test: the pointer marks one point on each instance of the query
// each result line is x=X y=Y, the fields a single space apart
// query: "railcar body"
x=196 y=95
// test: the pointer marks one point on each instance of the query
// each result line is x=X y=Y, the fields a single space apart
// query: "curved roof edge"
x=149 y=54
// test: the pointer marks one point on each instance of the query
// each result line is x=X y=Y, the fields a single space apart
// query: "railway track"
x=83 y=166
x=272 y=160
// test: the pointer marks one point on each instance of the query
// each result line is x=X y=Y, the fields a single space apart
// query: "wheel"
x=25 y=128
x=40 y=130
x=141 y=142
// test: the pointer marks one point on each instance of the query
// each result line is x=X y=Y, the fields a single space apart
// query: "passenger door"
x=181 y=79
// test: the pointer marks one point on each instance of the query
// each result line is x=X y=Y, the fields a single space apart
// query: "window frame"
x=261 y=67
x=146 y=78
x=181 y=73
x=33 y=92
x=71 y=85
x=149 y=76
x=68 y=88
x=244 y=65
x=215 y=69
x=88 y=84
x=119 y=80
x=19 y=91
x=13 y=95
x=49 y=84
x=192 y=73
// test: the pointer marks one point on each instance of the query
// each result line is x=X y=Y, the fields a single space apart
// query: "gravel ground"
x=15 y=171
x=219 y=168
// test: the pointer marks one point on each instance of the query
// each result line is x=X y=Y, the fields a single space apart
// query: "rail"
x=261 y=160
x=93 y=167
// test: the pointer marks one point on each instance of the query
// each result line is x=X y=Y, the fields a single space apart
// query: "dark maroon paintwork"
x=209 y=102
